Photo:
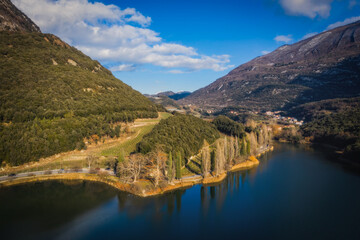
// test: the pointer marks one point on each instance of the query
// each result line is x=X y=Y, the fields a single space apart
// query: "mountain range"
x=174 y=95
x=324 y=66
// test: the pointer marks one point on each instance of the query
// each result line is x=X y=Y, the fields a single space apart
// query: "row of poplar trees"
x=232 y=150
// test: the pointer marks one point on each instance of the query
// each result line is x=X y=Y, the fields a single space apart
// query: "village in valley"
x=276 y=115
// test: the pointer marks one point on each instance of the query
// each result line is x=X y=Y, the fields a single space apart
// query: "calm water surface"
x=295 y=193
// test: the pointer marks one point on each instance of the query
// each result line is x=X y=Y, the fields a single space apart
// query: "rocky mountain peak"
x=321 y=67
x=14 y=20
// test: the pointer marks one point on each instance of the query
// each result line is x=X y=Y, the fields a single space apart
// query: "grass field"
x=129 y=146
x=76 y=158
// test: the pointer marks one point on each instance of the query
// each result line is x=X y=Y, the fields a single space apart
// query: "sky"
x=162 y=45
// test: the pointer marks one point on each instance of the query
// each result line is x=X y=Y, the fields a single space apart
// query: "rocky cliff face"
x=321 y=67
x=12 y=19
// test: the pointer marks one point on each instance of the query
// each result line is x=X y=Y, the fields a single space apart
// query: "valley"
x=98 y=140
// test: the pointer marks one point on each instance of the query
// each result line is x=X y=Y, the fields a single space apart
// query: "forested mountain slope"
x=52 y=96
x=43 y=76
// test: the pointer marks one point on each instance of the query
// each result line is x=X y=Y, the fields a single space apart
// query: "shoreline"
x=142 y=188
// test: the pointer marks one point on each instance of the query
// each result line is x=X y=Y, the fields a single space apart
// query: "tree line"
x=160 y=157
x=179 y=133
x=341 y=129
x=29 y=141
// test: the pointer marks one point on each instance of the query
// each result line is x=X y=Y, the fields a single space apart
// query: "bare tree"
x=131 y=168
x=260 y=138
x=90 y=159
x=250 y=123
x=226 y=149
x=160 y=165
x=237 y=149
x=219 y=157
x=205 y=164
x=253 y=143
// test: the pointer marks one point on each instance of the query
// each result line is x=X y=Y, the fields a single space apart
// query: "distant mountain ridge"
x=324 y=66
x=173 y=95
x=168 y=98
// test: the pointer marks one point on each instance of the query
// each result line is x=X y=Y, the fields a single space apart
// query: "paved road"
x=56 y=171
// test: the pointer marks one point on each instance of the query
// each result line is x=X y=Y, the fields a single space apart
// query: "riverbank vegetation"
x=165 y=166
x=337 y=129
x=186 y=146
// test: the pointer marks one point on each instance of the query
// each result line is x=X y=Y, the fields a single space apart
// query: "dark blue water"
x=295 y=193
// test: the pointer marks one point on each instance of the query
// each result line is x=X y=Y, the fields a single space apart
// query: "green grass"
x=194 y=168
x=165 y=115
x=186 y=172
x=128 y=146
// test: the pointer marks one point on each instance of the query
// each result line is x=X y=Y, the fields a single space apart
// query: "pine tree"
x=205 y=164
x=117 y=131
x=248 y=147
x=231 y=152
x=121 y=156
x=242 y=148
x=178 y=166
x=170 y=168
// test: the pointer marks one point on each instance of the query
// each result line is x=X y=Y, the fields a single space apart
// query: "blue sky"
x=183 y=45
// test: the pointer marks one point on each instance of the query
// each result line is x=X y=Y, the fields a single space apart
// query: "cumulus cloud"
x=265 y=52
x=308 y=8
x=123 y=68
x=283 y=38
x=342 y=23
x=118 y=36
x=176 y=71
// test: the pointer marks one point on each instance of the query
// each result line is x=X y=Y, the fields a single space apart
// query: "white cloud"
x=265 y=52
x=283 y=38
x=342 y=23
x=309 y=35
x=123 y=68
x=176 y=71
x=119 y=36
x=308 y=8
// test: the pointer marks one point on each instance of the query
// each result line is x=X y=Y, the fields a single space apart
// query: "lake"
x=295 y=193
